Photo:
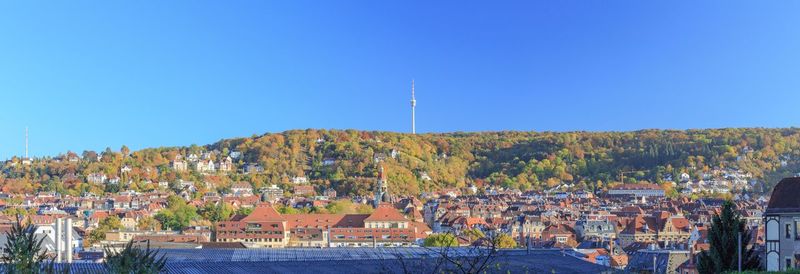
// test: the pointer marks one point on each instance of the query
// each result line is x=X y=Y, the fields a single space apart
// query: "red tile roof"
x=325 y=220
x=385 y=213
x=263 y=212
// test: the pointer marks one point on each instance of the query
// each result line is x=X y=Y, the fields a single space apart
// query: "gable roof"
x=325 y=220
x=263 y=213
x=385 y=213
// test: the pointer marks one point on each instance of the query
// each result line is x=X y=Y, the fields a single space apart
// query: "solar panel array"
x=342 y=260
x=306 y=254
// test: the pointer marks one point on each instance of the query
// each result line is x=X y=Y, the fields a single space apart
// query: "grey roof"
x=784 y=198
x=642 y=261
x=349 y=260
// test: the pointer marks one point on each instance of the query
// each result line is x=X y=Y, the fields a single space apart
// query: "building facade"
x=782 y=218
x=265 y=227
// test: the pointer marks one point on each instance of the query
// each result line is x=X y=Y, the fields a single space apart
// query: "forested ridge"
x=345 y=160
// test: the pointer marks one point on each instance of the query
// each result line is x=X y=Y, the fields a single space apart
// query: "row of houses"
x=265 y=227
x=203 y=165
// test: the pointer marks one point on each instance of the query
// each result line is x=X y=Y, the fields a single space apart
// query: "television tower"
x=413 y=108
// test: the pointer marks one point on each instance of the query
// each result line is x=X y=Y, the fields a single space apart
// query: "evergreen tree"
x=722 y=255
x=133 y=259
x=23 y=252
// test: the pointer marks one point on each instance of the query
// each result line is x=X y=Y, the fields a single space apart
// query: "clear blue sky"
x=96 y=74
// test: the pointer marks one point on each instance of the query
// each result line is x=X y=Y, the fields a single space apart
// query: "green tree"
x=505 y=241
x=473 y=234
x=110 y=223
x=441 y=240
x=364 y=209
x=147 y=223
x=246 y=211
x=177 y=218
x=216 y=212
x=723 y=239
x=22 y=252
x=178 y=215
x=133 y=259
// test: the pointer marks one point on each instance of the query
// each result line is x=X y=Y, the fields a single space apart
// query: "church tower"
x=381 y=189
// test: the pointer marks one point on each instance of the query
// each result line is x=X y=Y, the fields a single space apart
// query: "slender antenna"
x=413 y=109
x=26 y=142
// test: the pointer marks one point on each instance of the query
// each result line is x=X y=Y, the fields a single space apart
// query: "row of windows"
x=249 y=225
x=385 y=237
x=251 y=232
x=363 y=230
x=256 y=240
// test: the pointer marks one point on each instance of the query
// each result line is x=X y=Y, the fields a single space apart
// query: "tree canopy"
x=441 y=240
x=178 y=215
x=344 y=160
x=723 y=234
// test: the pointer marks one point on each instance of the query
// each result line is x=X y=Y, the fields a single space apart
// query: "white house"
x=299 y=180
x=242 y=189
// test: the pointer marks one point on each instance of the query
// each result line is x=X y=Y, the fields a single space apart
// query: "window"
x=796 y=233
x=788 y=231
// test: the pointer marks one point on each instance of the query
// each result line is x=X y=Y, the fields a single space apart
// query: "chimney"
x=329 y=235
x=68 y=243
x=58 y=240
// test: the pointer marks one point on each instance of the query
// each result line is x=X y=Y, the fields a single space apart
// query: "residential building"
x=782 y=221
x=637 y=190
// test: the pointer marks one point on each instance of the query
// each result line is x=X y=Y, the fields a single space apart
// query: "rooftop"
x=784 y=196
x=347 y=260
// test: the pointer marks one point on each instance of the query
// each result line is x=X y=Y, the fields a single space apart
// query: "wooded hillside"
x=345 y=160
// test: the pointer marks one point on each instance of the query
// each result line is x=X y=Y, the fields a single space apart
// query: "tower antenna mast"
x=413 y=109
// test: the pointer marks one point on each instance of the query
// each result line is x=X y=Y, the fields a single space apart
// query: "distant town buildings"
x=265 y=227
x=637 y=190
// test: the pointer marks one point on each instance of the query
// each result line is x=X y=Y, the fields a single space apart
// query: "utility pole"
x=528 y=244
x=58 y=240
x=654 y=264
x=739 y=249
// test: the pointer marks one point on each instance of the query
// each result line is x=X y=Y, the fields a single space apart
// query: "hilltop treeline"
x=345 y=160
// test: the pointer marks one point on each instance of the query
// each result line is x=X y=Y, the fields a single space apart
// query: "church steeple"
x=381 y=188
